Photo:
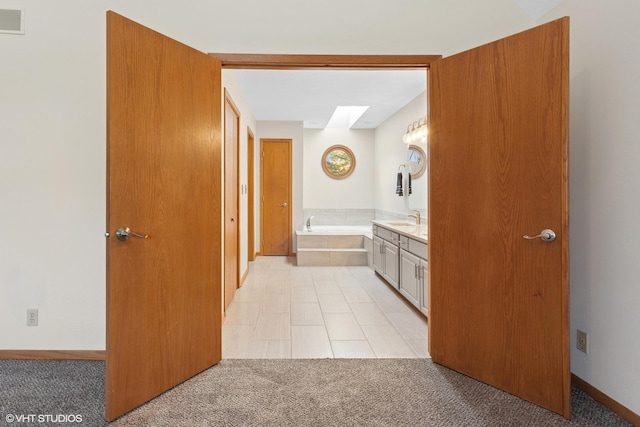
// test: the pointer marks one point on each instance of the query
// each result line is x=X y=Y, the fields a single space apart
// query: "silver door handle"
x=123 y=233
x=546 y=235
x=284 y=205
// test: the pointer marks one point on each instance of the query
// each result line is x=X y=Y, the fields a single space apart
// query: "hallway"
x=283 y=311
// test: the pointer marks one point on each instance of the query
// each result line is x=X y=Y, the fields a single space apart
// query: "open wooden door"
x=498 y=164
x=163 y=179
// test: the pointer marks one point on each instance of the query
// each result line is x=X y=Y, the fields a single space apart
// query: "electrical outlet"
x=32 y=317
x=581 y=341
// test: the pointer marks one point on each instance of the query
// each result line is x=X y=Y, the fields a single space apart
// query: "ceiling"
x=311 y=96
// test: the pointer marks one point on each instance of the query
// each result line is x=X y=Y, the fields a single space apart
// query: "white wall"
x=605 y=200
x=353 y=192
x=391 y=152
x=52 y=125
x=52 y=177
x=293 y=131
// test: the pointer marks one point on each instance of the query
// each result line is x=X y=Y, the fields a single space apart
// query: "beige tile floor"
x=284 y=311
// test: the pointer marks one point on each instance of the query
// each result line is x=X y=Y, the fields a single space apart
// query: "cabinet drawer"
x=418 y=248
x=387 y=235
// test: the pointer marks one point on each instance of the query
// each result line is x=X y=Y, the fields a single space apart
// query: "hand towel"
x=409 y=191
x=399 y=184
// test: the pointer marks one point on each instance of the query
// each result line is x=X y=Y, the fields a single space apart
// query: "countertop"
x=406 y=228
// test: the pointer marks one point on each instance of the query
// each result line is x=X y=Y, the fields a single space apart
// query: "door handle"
x=123 y=233
x=546 y=235
x=284 y=205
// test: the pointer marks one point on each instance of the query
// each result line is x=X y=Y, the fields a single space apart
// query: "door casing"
x=251 y=219
x=232 y=212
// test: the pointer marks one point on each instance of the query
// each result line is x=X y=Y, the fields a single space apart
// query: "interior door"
x=498 y=161
x=275 y=185
x=163 y=283
x=231 y=207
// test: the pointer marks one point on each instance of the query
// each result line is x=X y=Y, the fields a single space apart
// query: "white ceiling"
x=311 y=96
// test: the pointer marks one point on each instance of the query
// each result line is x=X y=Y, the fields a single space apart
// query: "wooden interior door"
x=231 y=199
x=275 y=200
x=163 y=142
x=498 y=162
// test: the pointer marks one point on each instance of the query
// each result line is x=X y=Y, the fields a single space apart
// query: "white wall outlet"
x=32 y=317
x=581 y=341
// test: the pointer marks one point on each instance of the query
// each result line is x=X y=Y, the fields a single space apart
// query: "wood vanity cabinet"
x=402 y=261
x=424 y=299
x=413 y=280
x=410 y=277
x=386 y=254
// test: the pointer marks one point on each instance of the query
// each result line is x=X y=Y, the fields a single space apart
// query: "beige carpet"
x=325 y=392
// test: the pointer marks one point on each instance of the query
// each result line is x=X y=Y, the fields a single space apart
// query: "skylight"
x=346 y=116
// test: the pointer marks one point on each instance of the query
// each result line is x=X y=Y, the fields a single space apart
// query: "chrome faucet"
x=416 y=216
x=309 y=222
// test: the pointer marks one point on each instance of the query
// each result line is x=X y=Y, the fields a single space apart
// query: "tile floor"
x=284 y=311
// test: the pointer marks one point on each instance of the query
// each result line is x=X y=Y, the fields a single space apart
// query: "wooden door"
x=498 y=161
x=163 y=142
x=275 y=185
x=231 y=207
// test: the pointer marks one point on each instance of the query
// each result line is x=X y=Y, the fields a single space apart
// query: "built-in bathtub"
x=327 y=245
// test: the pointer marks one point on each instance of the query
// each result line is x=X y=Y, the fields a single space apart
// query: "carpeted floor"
x=316 y=392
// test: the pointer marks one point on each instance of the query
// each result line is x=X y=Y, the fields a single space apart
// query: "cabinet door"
x=410 y=278
x=391 y=260
x=378 y=259
x=424 y=286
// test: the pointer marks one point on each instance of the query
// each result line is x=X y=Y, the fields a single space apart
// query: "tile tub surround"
x=287 y=311
x=339 y=216
x=355 y=216
x=332 y=245
x=399 y=216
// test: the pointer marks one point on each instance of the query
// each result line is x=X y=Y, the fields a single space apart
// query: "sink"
x=400 y=224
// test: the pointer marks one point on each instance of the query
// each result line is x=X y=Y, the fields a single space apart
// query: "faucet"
x=416 y=216
x=309 y=222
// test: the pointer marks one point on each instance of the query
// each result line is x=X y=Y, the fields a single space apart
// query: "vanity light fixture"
x=416 y=132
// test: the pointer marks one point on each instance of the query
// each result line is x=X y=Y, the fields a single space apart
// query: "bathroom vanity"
x=400 y=257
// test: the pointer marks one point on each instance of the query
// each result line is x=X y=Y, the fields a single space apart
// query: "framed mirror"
x=416 y=161
x=338 y=162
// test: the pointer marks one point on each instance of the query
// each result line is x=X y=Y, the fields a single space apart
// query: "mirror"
x=416 y=161
x=338 y=162
x=417 y=166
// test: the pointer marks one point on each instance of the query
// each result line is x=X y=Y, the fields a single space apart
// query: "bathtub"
x=328 y=245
